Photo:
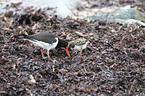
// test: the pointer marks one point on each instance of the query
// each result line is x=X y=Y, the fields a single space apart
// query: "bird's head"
x=64 y=44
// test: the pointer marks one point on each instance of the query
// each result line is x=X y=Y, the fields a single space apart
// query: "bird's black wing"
x=44 y=37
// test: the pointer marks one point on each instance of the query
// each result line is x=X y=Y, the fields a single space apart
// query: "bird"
x=47 y=41
x=79 y=44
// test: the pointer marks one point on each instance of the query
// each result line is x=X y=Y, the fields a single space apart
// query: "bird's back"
x=44 y=37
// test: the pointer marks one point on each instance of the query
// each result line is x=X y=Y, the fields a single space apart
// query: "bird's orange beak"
x=67 y=51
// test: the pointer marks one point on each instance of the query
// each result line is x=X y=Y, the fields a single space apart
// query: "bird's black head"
x=62 y=43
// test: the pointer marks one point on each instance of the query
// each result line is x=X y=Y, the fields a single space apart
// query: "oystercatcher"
x=48 y=41
x=79 y=44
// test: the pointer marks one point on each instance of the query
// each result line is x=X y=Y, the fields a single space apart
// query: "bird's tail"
x=24 y=37
x=21 y=37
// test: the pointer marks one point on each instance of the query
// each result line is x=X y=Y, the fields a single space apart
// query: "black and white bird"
x=47 y=41
x=79 y=44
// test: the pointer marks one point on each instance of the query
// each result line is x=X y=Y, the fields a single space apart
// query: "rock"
x=124 y=15
x=64 y=8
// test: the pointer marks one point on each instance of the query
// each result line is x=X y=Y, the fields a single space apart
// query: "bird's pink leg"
x=48 y=54
x=42 y=52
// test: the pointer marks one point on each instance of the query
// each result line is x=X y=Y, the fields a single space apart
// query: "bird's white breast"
x=81 y=47
x=44 y=45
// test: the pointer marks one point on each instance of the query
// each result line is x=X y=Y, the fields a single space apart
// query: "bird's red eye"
x=65 y=43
